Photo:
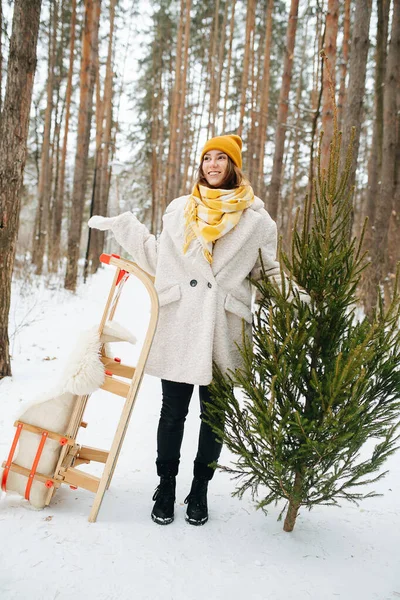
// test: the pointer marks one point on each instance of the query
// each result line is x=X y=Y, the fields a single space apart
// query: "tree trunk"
x=161 y=138
x=87 y=79
x=318 y=41
x=375 y=161
x=155 y=125
x=394 y=230
x=44 y=186
x=296 y=144
x=196 y=128
x=59 y=202
x=294 y=504
x=174 y=120
x=189 y=130
x=250 y=20
x=228 y=70
x=345 y=60
x=212 y=71
x=55 y=154
x=375 y=158
x=221 y=60
x=93 y=239
x=385 y=198
x=331 y=31
x=274 y=190
x=13 y=137
x=356 y=88
x=264 y=104
x=182 y=101
x=103 y=171
x=316 y=99
x=1 y=55
x=253 y=108
x=155 y=134
x=189 y=134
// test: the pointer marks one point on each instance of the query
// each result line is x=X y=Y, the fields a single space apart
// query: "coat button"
x=209 y=285
x=193 y=282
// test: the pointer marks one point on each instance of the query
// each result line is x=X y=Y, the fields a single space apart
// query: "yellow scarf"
x=211 y=213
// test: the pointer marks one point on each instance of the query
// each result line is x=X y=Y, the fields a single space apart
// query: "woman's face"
x=215 y=165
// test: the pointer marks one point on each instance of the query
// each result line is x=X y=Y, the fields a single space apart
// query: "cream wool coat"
x=201 y=305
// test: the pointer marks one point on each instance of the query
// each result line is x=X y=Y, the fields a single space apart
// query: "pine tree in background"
x=317 y=383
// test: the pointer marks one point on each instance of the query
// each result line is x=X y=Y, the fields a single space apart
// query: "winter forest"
x=105 y=106
x=122 y=95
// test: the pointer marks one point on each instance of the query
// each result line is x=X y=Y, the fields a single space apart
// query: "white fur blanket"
x=83 y=375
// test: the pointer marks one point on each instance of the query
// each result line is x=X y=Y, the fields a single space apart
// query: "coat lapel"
x=197 y=264
x=239 y=239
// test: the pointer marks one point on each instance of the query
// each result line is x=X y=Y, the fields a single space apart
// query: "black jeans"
x=175 y=406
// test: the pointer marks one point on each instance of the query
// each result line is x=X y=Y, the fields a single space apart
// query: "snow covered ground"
x=351 y=553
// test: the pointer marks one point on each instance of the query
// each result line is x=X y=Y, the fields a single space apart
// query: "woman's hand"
x=102 y=223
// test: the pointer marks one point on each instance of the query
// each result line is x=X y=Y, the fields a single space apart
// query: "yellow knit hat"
x=230 y=144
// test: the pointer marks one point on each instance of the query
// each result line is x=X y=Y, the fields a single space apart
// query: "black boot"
x=197 y=511
x=164 y=496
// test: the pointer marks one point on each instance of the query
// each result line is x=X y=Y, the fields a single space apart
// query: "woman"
x=208 y=247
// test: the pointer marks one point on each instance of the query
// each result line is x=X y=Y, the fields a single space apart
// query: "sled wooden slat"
x=38 y=476
x=115 y=387
x=88 y=453
x=78 y=478
x=50 y=434
x=118 y=368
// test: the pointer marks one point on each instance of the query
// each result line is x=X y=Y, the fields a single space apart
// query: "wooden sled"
x=120 y=379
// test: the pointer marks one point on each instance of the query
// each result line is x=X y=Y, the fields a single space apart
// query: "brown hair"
x=234 y=177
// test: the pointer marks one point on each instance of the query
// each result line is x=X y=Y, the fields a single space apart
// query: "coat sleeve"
x=136 y=239
x=268 y=253
x=271 y=265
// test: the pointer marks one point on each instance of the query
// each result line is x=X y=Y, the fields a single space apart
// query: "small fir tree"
x=318 y=383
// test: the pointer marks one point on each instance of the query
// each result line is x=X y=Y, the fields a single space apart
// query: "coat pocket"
x=170 y=294
x=238 y=308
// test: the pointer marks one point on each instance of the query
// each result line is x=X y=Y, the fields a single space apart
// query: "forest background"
x=126 y=92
